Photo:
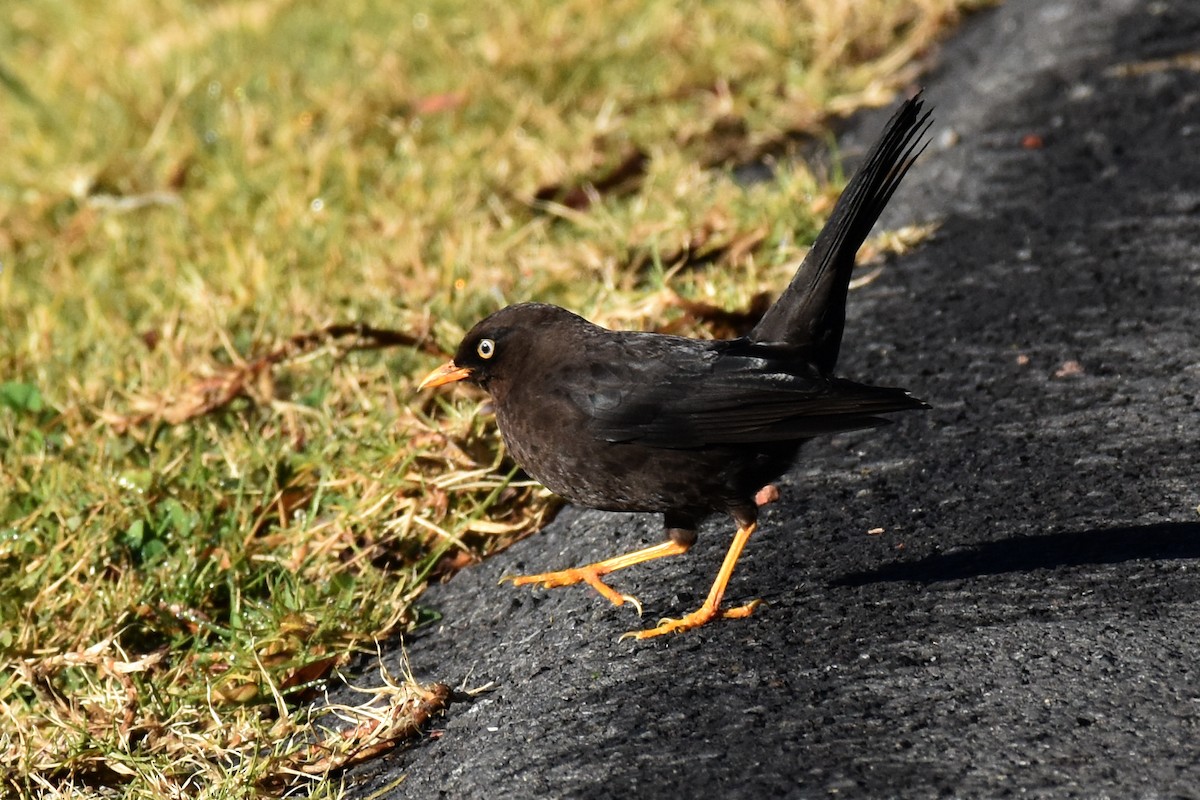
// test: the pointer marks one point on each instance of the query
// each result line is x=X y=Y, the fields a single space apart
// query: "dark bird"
x=632 y=421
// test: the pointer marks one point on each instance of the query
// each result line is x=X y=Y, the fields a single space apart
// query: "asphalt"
x=1026 y=623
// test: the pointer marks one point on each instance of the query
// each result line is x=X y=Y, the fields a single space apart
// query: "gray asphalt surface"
x=1026 y=625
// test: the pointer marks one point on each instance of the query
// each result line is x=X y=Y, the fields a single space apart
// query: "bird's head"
x=502 y=345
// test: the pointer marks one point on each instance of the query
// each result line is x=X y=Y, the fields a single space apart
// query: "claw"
x=634 y=602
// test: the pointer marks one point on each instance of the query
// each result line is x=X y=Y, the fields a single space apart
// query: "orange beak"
x=446 y=373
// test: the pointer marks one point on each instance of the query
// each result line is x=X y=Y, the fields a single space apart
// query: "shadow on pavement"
x=1167 y=540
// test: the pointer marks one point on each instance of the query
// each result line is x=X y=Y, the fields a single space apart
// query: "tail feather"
x=811 y=312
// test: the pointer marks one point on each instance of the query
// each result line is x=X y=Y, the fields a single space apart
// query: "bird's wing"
x=683 y=394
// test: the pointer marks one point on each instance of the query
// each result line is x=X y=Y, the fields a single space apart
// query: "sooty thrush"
x=631 y=421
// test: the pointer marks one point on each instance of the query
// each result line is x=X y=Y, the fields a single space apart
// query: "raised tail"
x=811 y=312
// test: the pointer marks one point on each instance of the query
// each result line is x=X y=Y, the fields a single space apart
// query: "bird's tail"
x=811 y=312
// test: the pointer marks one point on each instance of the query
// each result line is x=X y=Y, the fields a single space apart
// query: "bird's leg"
x=711 y=608
x=591 y=574
x=767 y=494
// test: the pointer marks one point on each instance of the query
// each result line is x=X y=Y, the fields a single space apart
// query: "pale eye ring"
x=486 y=348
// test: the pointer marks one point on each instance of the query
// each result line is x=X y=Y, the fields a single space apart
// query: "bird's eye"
x=486 y=349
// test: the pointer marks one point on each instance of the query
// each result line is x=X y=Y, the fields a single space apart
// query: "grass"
x=208 y=498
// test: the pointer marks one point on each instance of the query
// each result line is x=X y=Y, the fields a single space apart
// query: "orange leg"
x=766 y=495
x=591 y=574
x=711 y=609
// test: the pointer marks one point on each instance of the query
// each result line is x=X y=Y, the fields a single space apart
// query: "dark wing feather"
x=679 y=394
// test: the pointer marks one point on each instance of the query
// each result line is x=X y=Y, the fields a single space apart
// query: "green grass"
x=187 y=185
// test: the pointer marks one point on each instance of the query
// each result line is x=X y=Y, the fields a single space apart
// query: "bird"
x=688 y=428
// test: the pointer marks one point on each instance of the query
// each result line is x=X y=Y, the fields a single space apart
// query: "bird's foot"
x=767 y=494
x=590 y=574
x=701 y=616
